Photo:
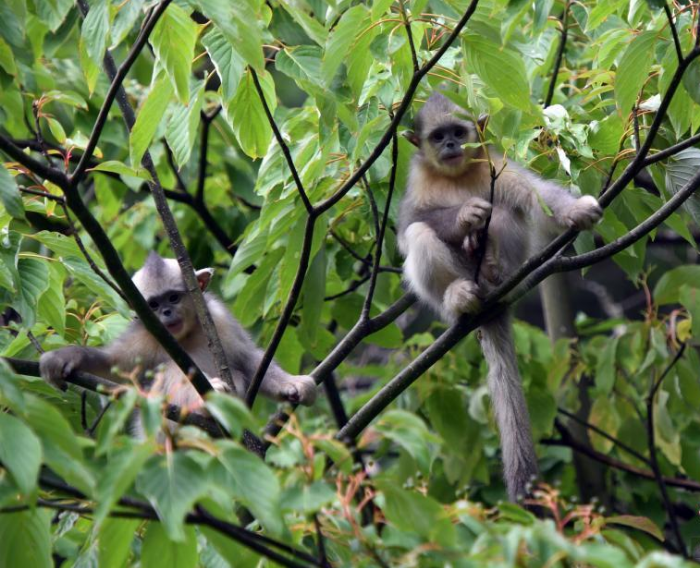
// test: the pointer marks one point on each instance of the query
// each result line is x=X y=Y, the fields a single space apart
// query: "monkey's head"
x=161 y=284
x=441 y=132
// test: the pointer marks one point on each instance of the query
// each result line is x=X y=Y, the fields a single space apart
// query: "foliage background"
x=294 y=231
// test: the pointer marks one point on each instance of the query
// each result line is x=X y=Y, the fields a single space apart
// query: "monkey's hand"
x=299 y=389
x=56 y=366
x=219 y=385
x=583 y=214
x=473 y=214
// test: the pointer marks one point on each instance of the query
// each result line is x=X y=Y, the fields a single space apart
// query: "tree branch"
x=282 y=143
x=674 y=32
x=653 y=458
x=560 y=54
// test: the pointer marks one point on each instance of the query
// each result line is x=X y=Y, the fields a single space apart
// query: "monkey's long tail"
x=519 y=458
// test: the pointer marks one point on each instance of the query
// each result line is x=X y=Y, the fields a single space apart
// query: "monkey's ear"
x=482 y=121
x=204 y=277
x=412 y=137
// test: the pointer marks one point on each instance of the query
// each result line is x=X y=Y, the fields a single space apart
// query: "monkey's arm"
x=452 y=224
x=134 y=346
x=244 y=356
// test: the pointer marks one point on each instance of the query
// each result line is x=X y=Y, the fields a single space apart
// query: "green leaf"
x=640 y=523
x=149 y=117
x=416 y=513
x=668 y=287
x=633 y=70
x=181 y=132
x=302 y=62
x=231 y=412
x=160 y=551
x=340 y=41
x=95 y=30
x=238 y=22
x=409 y=432
x=601 y=12
x=501 y=69
x=52 y=305
x=235 y=554
x=53 y=12
x=173 y=40
x=228 y=63
x=172 y=484
x=20 y=453
x=114 y=542
x=680 y=169
x=691 y=80
x=124 y=465
x=26 y=539
x=56 y=129
x=247 y=114
x=9 y=194
x=81 y=270
x=7 y=58
x=115 y=167
x=33 y=281
x=254 y=483
x=308 y=498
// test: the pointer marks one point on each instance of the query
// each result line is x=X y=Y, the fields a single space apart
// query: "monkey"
x=161 y=284
x=442 y=215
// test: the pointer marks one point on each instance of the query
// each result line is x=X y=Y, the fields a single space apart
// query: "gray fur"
x=444 y=208
x=137 y=350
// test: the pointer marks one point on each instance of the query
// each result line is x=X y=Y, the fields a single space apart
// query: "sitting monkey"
x=443 y=211
x=161 y=284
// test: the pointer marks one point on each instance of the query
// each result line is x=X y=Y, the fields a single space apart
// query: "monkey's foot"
x=473 y=214
x=584 y=213
x=219 y=385
x=461 y=297
x=299 y=389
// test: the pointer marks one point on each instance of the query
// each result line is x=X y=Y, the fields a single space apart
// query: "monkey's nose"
x=167 y=312
x=449 y=145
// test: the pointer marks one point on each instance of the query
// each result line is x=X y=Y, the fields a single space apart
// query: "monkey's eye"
x=153 y=305
x=437 y=137
x=174 y=298
x=460 y=132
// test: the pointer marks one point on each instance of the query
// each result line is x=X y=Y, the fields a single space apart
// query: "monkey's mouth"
x=453 y=159
x=174 y=327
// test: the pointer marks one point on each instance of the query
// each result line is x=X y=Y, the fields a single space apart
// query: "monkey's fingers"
x=54 y=369
x=219 y=386
x=584 y=213
x=300 y=389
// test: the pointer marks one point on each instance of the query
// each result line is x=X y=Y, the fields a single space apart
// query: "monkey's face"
x=444 y=148
x=175 y=311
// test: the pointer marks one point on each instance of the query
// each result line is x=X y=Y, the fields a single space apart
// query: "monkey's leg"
x=435 y=275
x=510 y=409
x=297 y=389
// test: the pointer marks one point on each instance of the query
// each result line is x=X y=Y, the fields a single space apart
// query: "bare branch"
x=568 y=441
x=672 y=150
x=674 y=32
x=653 y=458
x=282 y=143
x=560 y=54
x=286 y=312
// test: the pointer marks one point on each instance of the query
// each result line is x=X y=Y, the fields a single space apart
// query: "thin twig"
x=604 y=434
x=560 y=54
x=281 y=142
x=382 y=229
x=674 y=32
x=653 y=458
x=568 y=441
x=409 y=33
